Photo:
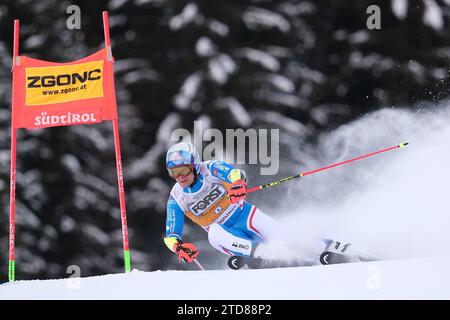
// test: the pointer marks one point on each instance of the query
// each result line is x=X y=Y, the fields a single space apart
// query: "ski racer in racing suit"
x=212 y=194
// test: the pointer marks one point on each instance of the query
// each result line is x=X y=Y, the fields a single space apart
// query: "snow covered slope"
x=395 y=279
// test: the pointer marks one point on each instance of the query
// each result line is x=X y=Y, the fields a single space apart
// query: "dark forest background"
x=303 y=67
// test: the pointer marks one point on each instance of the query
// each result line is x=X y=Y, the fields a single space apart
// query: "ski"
x=334 y=254
x=239 y=262
x=326 y=258
x=329 y=257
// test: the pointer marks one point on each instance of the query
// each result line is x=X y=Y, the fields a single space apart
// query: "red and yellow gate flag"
x=47 y=94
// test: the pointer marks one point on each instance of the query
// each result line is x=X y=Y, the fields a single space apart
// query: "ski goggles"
x=180 y=171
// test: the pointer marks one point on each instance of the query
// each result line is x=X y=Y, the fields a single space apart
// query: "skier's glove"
x=185 y=251
x=237 y=191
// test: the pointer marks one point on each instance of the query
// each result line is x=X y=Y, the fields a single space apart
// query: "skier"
x=213 y=195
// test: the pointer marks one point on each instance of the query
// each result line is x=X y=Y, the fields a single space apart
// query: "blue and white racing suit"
x=234 y=229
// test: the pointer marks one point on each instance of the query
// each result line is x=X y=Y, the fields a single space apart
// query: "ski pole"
x=199 y=265
x=303 y=174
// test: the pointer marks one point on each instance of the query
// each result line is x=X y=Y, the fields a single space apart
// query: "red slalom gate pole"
x=123 y=211
x=303 y=174
x=12 y=190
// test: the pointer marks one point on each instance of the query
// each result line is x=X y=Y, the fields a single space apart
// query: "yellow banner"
x=59 y=84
